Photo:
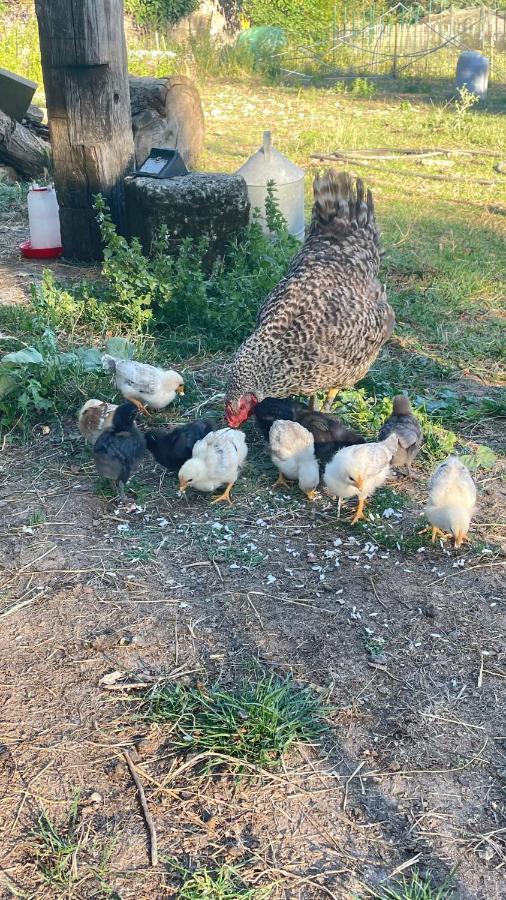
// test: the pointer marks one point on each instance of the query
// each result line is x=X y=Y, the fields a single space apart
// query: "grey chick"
x=406 y=426
x=119 y=450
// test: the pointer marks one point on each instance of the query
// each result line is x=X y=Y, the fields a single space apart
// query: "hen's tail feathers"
x=341 y=206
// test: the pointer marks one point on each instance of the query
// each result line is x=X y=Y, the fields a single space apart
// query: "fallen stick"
x=423 y=175
x=145 y=809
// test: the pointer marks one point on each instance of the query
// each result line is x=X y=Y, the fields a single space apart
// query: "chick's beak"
x=180 y=389
x=183 y=484
x=359 y=481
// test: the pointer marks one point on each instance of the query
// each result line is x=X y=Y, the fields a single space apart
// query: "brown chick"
x=93 y=417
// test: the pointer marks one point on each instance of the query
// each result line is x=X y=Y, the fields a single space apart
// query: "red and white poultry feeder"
x=44 y=222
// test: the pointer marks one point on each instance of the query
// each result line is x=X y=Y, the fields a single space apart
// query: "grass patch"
x=257 y=722
x=56 y=849
x=221 y=883
x=415 y=888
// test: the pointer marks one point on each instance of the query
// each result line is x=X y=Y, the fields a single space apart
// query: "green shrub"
x=160 y=12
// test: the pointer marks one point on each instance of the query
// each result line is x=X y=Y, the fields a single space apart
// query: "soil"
x=164 y=586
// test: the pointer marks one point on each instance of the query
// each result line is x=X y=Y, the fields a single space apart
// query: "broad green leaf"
x=482 y=458
x=119 y=347
x=7 y=384
x=28 y=356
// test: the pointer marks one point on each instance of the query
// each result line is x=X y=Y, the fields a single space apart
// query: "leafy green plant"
x=465 y=102
x=160 y=12
x=43 y=379
x=221 y=883
x=362 y=87
x=367 y=413
x=258 y=722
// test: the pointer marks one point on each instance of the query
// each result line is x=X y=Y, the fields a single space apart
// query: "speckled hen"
x=324 y=324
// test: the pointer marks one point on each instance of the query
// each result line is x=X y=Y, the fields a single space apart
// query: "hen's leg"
x=225 y=496
x=331 y=396
x=359 y=512
x=280 y=481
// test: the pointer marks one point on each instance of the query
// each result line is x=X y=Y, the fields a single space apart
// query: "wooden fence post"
x=394 y=61
x=84 y=63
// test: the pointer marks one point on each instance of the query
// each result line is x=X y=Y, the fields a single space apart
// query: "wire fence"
x=401 y=43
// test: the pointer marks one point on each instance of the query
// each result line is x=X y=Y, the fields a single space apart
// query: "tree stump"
x=167 y=112
x=21 y=148
x=84 y=63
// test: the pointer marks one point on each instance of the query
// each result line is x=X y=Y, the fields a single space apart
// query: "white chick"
x=292 y=452
x=143 y=384
x=358 y=470
x=216 y=460
x=452 y=498
x=93 y=417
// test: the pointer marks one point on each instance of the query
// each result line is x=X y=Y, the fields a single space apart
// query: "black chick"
x=172 y=447
x=119 y=450
x=406 y=426
x=271 y=409
x=330 y=434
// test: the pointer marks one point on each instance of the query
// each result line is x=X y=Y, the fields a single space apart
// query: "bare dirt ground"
x=414 y=773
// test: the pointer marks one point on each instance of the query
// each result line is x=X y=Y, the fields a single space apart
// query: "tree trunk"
x=84 y=65
x=167 y=112
x=22 y=149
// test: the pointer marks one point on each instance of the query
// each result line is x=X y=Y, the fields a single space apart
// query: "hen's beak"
x=180 y=389
x=359 y=481
x=183 y=484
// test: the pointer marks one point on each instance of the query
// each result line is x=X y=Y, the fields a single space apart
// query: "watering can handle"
x=267 y=144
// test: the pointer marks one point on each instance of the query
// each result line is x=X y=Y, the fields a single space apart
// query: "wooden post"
x=394 y=61
x=84 y=64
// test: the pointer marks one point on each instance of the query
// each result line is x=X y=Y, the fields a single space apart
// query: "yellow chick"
x=216 y=460
x=358 y=470
x=93 y=417
x=142 y=384
x=452 y=499
x=292 y=452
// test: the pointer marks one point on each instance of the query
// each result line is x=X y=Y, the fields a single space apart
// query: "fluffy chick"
x=292 y=452
x=358 y=471
x=452 y=498
x=329 y=433
x=143 y=384
x=172 y=447
x=216 y=460
x=119 y=450
x=406 y=426
x=93 y=417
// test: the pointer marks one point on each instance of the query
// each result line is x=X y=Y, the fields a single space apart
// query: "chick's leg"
x=280 y=481
x=140 y=406
x=225 y=496
x=359 y=512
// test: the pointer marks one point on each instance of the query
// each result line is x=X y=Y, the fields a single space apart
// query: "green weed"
x=56 y=849
x=257 y=722
x=415 y=888
x=221 y=883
